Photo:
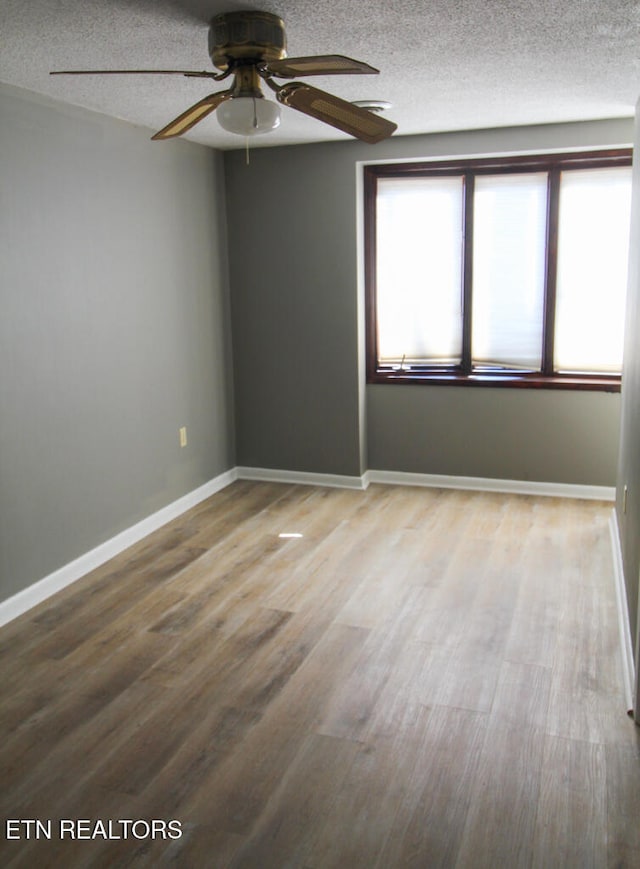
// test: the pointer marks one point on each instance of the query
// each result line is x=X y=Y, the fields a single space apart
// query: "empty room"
x=319 y=434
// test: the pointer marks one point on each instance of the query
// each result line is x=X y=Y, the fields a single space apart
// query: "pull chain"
x=255 y=127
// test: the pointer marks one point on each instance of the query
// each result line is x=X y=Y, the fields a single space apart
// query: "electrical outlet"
x=183 y=436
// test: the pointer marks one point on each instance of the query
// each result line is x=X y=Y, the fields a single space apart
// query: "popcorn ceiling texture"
x=444 y=65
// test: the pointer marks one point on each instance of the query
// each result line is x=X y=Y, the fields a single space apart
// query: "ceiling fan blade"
x=191 y=117
x=323 y=64
x=338 y=113
x=187 y=72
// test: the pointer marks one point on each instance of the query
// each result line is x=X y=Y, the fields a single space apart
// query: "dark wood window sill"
x=510 y=380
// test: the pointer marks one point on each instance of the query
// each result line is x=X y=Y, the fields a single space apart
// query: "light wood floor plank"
x=430 y=820
x=571 y=822
x=500 y=825
x=237 y=794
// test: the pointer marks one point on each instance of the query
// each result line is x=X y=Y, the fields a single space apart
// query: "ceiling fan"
x=251 y=46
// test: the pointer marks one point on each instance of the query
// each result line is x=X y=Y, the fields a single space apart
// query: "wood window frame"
x=463 y=374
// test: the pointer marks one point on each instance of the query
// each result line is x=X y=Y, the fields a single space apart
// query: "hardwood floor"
x=425 y=678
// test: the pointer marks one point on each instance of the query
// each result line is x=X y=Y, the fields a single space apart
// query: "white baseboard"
x=303 y=478
x=485 y=484
x=628 y=666
x=69 y=573
x=441 y=481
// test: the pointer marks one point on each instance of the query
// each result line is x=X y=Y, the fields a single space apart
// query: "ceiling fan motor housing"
x=246 y=36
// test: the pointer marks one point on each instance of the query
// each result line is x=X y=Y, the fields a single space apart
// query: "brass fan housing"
x=246 y=36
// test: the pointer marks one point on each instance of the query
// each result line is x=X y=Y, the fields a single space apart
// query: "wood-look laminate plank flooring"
x=424 y=678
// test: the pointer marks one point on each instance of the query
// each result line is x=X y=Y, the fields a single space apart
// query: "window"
x=501 y=271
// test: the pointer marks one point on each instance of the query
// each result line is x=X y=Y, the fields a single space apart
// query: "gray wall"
x=114 y=330
x=508 y=434
x=293 y=263
x=629 y=463
x=297 y=322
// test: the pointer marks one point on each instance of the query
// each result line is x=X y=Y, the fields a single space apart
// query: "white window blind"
x=509 y=230
x=593 y=245
x=419 y=270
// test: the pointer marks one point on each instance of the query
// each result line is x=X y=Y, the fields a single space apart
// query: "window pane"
x=419 y=269
x=509 y=232
x=593 y=246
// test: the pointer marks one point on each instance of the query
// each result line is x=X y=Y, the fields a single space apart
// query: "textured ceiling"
x=444 y=64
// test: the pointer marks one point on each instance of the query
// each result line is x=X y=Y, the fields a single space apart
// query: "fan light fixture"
x=249 y=116
x=251 y=48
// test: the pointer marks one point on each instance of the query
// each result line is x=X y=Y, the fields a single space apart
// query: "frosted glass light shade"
x=249 y=116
